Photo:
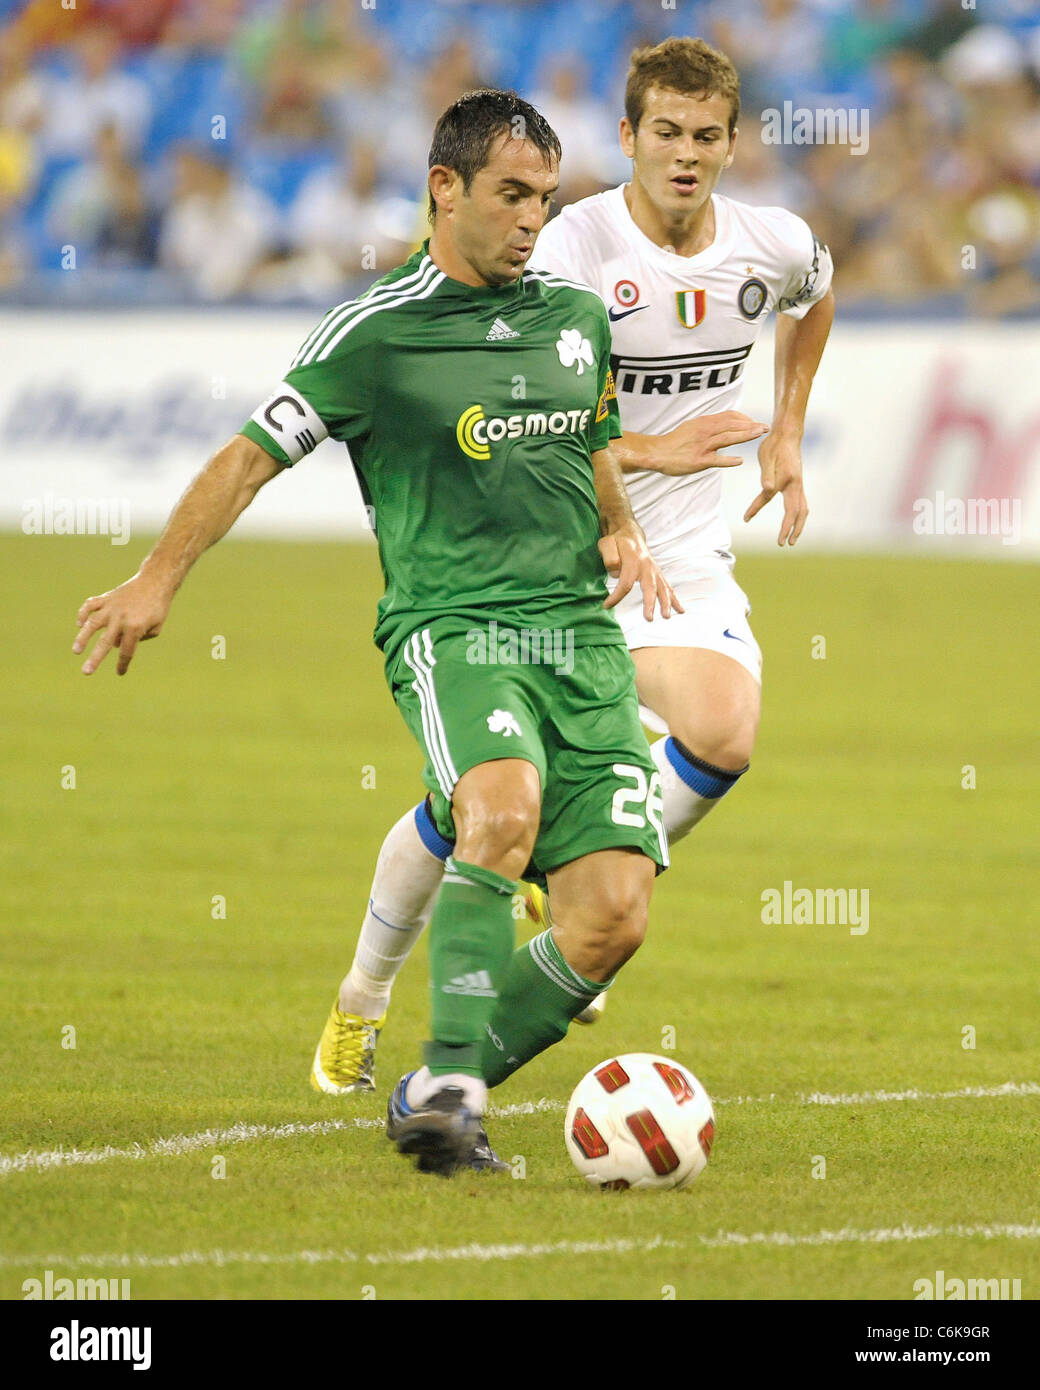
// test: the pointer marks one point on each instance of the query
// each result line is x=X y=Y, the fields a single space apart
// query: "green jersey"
x=471 y=414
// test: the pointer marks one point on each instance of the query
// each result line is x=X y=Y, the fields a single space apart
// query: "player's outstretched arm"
x=799 y=347
x=137 y=609
x=623 y=546
x=691 y=447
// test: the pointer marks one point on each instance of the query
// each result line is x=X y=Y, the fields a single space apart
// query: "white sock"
x=407 y=878
x=690 y=787
x=424 y=1084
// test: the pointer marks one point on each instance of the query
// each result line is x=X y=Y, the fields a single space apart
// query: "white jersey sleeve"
x=567 y=246
x=811 y=268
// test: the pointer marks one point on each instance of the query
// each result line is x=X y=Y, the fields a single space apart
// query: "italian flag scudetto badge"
x=691 y=305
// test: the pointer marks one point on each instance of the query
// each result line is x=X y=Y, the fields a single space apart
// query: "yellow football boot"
x=345 y=1058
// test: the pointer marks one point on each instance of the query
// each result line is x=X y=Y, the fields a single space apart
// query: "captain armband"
x=291 y=422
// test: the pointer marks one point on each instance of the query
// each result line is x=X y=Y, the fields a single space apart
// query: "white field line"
x=884 y=1236
x=37 y=1160
x=1009 y=1088
x=482 y=1254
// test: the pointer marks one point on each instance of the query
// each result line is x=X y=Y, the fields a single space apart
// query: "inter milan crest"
x=752 y=298
x=692 y=306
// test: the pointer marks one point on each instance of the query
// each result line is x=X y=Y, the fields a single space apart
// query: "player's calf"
x=597 y=941
x=600 y=905
x=496 y=811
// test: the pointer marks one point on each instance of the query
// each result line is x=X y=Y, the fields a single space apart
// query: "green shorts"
x=472 y=694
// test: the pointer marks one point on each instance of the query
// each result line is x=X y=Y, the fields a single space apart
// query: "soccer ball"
x=639 y=1121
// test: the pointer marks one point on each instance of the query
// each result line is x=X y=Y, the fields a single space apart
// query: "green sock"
x=540 y=996
x=471 y=941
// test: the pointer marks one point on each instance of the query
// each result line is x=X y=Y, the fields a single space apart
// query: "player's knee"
x=727 y=746
x=733 y=752
x=499 y=837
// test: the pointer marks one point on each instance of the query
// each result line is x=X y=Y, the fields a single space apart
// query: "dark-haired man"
x=541 y=758
x=689 y=278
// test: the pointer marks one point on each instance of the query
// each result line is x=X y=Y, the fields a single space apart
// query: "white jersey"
x=682 y=329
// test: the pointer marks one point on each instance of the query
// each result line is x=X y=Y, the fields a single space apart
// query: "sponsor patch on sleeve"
x=609 y=394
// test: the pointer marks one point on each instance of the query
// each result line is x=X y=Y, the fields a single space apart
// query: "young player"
x=522 y=761
x=689 y=277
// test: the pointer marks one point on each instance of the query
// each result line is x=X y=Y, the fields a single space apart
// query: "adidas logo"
x=476 y=982
x=499 y=330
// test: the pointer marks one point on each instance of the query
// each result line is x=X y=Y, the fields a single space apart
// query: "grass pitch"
x=183 y=913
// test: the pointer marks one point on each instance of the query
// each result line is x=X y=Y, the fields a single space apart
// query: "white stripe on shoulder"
x=420 y=291
x=340 y=312
x=547 y=277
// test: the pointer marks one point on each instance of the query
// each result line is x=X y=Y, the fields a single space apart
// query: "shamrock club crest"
x=573 y=348
x=501 y=721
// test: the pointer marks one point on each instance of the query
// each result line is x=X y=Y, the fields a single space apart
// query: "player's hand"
x=124 y=616
x=780 y=457
x=695 y=445
x=626 y=554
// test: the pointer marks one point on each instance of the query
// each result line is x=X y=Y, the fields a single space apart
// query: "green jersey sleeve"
x=327 y=392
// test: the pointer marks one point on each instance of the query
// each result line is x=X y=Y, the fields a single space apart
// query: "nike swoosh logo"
x=726 y=633
x=624 y=315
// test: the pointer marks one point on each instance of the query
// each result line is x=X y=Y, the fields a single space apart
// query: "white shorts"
x=716 y=617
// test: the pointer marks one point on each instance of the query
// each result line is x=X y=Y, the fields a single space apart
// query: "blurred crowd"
x=275 y=150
